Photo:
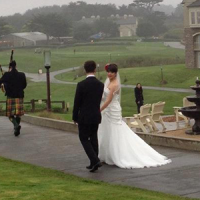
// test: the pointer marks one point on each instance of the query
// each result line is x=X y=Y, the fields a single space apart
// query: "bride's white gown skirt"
x=120 y=146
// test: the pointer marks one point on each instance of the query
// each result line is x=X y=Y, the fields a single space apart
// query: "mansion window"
x=198 y=17
x=195 y=18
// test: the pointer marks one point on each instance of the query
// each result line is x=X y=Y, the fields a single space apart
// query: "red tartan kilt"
x=14 y=106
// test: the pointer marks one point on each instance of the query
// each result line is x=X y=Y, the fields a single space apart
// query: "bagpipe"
x=4 y=85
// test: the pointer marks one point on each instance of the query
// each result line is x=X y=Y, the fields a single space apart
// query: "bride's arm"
x=109 y=98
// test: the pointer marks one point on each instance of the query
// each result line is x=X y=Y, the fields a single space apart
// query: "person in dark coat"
x=86 y=113
x=14 y=83
x=139 y=99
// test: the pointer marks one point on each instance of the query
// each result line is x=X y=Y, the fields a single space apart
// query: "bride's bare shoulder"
x=114 y=86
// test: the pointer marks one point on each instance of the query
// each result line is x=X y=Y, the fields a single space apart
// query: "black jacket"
x=15 y=83
x=87 y=101
x=138 y=94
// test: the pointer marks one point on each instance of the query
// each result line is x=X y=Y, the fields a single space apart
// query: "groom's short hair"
x=90 y=66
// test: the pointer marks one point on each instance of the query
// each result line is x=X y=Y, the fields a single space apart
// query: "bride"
x=118 y=144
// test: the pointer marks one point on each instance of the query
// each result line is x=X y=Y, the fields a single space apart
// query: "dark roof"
x=88 y=20
x=195 y=4
x=128 y=20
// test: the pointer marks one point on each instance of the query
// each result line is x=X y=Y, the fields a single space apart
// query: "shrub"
x=174 y=34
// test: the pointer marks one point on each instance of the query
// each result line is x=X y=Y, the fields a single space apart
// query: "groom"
x=87 y=115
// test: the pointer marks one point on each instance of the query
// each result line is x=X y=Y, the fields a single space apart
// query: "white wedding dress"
x=119 y=145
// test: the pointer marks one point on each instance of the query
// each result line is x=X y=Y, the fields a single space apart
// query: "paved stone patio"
x=62 y=151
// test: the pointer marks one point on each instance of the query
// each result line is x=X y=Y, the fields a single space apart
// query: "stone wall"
x=127 y=30
x=190 y=56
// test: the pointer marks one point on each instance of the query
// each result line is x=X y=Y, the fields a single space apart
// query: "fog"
x=10 y=7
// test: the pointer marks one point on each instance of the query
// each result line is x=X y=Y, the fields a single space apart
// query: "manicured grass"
x=62 y=58
x=177 y=76
x=53 y=115
x=58 y=93
x=151 y=96
x=24 y=181
x=66 y=92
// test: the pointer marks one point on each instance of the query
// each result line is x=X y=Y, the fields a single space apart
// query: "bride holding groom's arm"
x=112 y=90
x=118 y=144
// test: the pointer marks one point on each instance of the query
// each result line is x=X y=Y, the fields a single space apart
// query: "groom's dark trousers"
x=87 y=114
x=88 y=138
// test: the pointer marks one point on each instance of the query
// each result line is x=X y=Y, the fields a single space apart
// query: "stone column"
x=190 y=55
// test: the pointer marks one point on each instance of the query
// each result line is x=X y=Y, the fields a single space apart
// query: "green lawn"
x=23 y=181
x=151 y=96
x=128 y=103
x=177 y=76
x=63 y=58
x=66 y=93
x=59 y=92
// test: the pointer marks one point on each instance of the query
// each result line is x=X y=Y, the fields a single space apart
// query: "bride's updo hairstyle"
x=111 y=68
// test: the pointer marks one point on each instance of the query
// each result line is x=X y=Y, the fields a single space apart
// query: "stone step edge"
x=50 y=123
x=152 y=139
x=171 y=141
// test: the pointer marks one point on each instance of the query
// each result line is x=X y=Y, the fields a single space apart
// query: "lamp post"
x=161 y=75
x=47 y=65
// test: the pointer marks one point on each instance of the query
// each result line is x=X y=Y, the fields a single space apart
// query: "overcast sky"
x=9 y=7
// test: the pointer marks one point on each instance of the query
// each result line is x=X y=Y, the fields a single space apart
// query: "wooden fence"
x=34 y=102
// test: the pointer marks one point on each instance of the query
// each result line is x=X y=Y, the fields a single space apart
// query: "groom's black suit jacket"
x=87 y=101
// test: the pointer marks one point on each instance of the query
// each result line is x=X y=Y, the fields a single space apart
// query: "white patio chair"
x=180 y=116
x=156 y=115
x=139 y=121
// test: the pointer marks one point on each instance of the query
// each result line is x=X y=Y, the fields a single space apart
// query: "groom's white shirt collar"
x=90 y=76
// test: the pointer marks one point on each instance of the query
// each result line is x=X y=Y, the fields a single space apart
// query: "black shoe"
x=17 y=131
x=89 y=167
x=95 y=167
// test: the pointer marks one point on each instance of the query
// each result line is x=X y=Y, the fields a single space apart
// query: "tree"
x=157 y=19
x=145 y=29
x=179 y=11
x=167 y=9
x=16 y=21
x=106 y=26
x=83 y=31
x=125 y=10
x=153 y=19
x=4 y=28
x=76 y=10
x=50 y=24
x=148 y=5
